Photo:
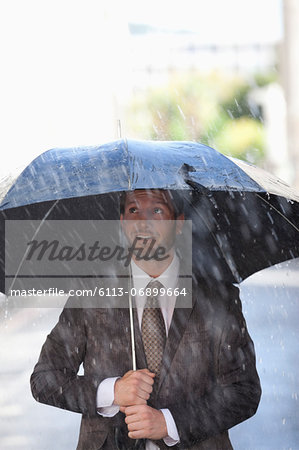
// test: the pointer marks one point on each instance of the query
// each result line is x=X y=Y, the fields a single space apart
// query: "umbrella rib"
x=127 y=150
x=132 y=320
x=278 y=212
x=37 y=230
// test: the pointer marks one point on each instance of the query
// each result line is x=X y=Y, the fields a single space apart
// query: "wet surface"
x=271 y=307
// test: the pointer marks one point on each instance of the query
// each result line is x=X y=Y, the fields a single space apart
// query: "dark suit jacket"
x=208 y=379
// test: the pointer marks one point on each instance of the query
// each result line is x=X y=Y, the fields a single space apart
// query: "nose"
x=143 y=225
x=145 y=215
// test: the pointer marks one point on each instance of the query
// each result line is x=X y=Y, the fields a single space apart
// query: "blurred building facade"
x=156 y=54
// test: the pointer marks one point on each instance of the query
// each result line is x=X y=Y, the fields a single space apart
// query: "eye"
x=158 y=210
x=132 y=210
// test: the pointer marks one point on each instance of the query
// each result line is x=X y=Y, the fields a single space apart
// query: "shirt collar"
x=169 y=278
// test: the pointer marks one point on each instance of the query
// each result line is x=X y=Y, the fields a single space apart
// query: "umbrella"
x=244 y=219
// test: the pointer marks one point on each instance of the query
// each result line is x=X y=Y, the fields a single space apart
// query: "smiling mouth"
x=145 y=237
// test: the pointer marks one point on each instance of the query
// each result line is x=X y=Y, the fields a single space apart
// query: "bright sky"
x=65 y=63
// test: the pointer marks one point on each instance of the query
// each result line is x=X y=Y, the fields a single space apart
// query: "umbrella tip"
x=119 y=132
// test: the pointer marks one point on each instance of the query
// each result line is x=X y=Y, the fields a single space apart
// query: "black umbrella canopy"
x=243 y=218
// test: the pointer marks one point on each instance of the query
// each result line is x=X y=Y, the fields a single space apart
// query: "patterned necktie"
x=153 y=330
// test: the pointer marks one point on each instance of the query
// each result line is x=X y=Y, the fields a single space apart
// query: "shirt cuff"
x=173 y=436
x=105 y=398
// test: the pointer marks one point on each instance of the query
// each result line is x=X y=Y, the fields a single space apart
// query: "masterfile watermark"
x=52 y=292
x=53 y=256
x=53 y=250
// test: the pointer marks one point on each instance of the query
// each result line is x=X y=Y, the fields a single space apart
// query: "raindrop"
x=238 y=106
x=244 y=209
x=230 y=113
x=181 y=112
x=270 y=217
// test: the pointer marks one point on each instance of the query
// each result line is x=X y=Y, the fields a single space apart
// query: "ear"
x=180 y=220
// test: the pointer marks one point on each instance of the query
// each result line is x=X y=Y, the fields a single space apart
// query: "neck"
x=154 y=268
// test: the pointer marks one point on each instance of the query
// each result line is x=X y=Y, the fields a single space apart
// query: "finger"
x=137 y=413
x=136 y=426
x=139 y=401
x=131 y=419
x=151 y=374
x=143 y=377
x=129 y=410
x=139 y=434
x=140 y=410
x=144 y=388
x=127 y=374
x=142 y=398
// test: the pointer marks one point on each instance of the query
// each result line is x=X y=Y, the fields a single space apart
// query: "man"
x=186 y=395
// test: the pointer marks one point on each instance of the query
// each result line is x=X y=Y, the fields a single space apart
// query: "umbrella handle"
x=132 y=320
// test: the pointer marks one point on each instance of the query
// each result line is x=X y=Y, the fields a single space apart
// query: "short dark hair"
x=176 y=199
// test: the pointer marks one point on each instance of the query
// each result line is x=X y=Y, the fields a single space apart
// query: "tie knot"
x=152 y=292
x=155 y=284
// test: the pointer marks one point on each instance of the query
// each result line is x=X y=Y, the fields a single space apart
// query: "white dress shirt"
x=105 y=392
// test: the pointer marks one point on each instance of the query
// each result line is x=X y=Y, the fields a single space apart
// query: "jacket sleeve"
x=54 y=380
x=234 y=390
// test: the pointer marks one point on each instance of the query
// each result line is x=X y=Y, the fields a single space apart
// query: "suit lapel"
x=177 y=328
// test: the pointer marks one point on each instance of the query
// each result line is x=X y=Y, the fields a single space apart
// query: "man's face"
x=149 y=216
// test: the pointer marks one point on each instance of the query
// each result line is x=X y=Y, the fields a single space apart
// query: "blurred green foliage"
x=214 y=109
